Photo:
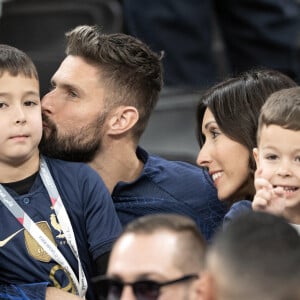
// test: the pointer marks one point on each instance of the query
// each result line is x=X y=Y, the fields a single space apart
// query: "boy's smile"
x=289 y=191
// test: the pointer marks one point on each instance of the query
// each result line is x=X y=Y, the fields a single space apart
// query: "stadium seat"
x=171 y=131
x=38 y=27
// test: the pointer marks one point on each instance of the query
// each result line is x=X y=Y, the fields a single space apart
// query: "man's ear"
x=256 y=157
x=123 y=118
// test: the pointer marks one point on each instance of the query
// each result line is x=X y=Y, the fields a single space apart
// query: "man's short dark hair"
x=128 y=68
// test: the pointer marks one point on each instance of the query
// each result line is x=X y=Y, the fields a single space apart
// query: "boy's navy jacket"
x=92 y=215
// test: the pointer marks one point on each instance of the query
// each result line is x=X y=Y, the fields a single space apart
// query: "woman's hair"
x=236 y=102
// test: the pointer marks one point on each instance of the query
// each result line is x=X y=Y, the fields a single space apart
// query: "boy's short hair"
x=15 y=62
x=282 y=108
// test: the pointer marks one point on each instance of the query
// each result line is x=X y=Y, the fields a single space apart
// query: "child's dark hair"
x=15 y=62
x=282 y=108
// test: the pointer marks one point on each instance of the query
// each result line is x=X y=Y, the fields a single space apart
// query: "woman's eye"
x=3 y=105
x=214 y=133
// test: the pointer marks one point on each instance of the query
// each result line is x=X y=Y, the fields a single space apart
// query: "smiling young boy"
x=278 y=156
x=57 y=218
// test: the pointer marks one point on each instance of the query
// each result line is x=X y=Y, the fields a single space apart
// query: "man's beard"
x=80 y=146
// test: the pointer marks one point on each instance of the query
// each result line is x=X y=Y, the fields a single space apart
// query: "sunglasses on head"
x=111 y=289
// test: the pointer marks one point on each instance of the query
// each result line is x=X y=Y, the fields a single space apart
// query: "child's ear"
x=256 y=157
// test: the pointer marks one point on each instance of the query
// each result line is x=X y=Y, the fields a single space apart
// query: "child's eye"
x=30 y=103
x=297 y=158
x=271 y=156
x=3 y=105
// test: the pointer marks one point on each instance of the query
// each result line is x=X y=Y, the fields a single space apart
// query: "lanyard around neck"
x=40 y=237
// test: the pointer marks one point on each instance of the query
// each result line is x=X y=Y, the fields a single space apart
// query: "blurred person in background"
x=253 y=34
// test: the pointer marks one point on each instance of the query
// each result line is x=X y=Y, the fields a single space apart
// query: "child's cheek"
x=267 y=171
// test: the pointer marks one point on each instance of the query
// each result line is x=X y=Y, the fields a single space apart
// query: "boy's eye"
x=3 y=105
x=271 y=156
x=30 y=103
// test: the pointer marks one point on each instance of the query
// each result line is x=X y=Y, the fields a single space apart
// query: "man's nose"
x=47 y=102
